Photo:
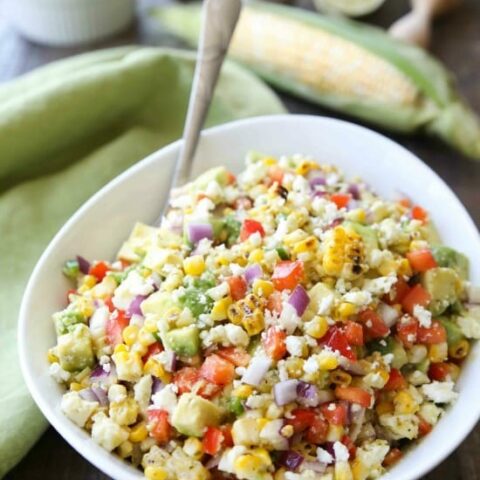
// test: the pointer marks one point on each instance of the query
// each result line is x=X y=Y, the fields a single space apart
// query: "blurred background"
x=34 y=33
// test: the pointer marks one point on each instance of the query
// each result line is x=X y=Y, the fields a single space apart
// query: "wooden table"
x=457 y=43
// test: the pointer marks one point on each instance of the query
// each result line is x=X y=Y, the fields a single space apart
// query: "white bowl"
x=98 y=228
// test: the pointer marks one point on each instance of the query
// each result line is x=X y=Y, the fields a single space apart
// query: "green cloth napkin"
x=66 y=130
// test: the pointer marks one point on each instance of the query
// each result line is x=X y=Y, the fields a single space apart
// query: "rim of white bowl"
x=66 y=428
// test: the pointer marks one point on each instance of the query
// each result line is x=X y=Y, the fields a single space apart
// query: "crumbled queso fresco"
x=285 y=324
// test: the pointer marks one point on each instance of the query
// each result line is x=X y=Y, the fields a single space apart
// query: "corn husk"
x=344 y=65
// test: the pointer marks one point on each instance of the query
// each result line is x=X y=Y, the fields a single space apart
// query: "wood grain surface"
x=456 y=41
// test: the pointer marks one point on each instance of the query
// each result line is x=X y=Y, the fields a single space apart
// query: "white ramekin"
x=69 y=22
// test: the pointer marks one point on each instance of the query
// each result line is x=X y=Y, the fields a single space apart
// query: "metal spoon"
x=219 y=18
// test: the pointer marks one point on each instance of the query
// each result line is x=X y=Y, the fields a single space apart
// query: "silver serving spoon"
x=219 y=18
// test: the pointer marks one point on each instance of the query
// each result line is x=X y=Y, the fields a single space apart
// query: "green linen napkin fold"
x=66 y=130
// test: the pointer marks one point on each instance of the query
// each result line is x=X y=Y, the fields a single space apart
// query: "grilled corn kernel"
x=339 y=377
x=193 y=448
x=262 y=288
x=235 y=314
x=194 y=266
x=346 y=310
x=438 y=352
x=305 y=166
x=317 y=327
x=308 y=245
x=256 y=256
x=384 y=407
x=129 y=334
x=138 y=433
x=155 y=473
x=76 y=387
x=404 y=403
x=220 y=309
x=244 y=391
x=254 y=323
x=294 y=366
x=459 y=350
x=155 y=368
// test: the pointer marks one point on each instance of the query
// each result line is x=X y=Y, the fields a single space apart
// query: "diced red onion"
x=319 y=193
x=88 y=395
x=299 y=299
x=98 y=372
x=199 y=231
x=157 y=385
x=316 y=467
x=155 y=280
x=83 y=264
x=317 y=181
x=171 y=364
x=474 y=294
x=101 y=394
x=388 y=314
x=291 y=460
x=307 y=394
x=252 y=272
x=256 y=370
x=285 y=392
x=134 y=308
x=354 y=191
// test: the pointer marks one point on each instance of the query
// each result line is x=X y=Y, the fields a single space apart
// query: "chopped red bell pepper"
x=287 y=274
x=116 y=322
x=274 y=343
x=421 y=260
x=160 y=429
x=396 y=381
x=99 y=270
x=236 y=355
x=341 y=200
x=238 y=287
x=354 y=395
x=212 y=440
x=436 y=333
x=217 y=370
x=374 y=326
x=335 y=413
x=416 y=296
x=249 y=227
x=338 y=342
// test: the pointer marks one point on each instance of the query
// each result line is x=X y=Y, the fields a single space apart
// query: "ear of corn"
x=350 y=67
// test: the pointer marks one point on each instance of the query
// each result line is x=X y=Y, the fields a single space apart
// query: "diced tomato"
x=117 y=321
x=231 y=178
x=187 y=378
x=250 y=227
x=354 y=333
x=317 y=433
x=439 y=371
x=212 y=440
x=99 y=270
x=276 y=174
x=337 y=341
x=274 y=343
x=421 y=260
x=348 y=442
x=436 y=333
x=301 y=419
x=400 y=289
x=407 y=331
x=287 y=274
x=274 y=303
x=424 y=427
x=405 y=202
x=153 y=349
x=354 y=395
x=374 y=326
x=217 y=370
x=238 y=356
x=227 y=435
x=335 y=413
x=418 y=213
x=238 y=287
x=392 y=457
x=160 y=429
x=396 y=380
x=416 y=296
x=341 y=200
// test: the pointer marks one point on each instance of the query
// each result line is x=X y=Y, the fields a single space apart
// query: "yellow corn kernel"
x=155 y=368
x=438 y=352
x=256 y=256
x=129 y=334
x=317 y=327
x=150 y=325
x=335 y=433
x=404 y=268
x=76 y=387
x=194 y=266
x=138 y=433
x=155 y=473
x=222 y=260
x=357 y=215
x=262 y=288
x=308 y=245
x=85 y=306
x=261 y=423
x=88 y=282
x=384 y=407
x=235 y=314
x=125 y=449
x=254 y=323
x=405 y=403
x=220 y=309
x=459 y=350
x=359 y=470
x=346 y=310
x=244 y=391
x=51 y=357
x=339 y=377
x=193 y=448
x=343 y=471
x=139 y=348
x=269 y=161
x=294 y=366
x=120 y=348
x=145 y=337
x=327 y=362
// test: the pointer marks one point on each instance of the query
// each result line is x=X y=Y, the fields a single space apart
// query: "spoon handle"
x=218 y=23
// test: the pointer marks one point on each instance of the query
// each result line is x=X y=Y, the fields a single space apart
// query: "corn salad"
x=287 y=324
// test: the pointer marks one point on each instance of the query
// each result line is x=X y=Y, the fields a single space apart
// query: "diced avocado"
x=226 y=230
x=195 y=297
x=235 y=406
x=369 y=236
x=443 y=285
x=454 y=332
x=217 y=174
x=449 y=258
x=318 y=293
x=193 y=414
x=74 y=349
x=158 y=303
x=71 y=269
x=390 y=345
x=184 y=341
x=66 y=319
